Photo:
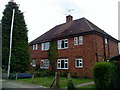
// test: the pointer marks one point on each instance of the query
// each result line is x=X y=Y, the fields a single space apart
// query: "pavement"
x=16 y=85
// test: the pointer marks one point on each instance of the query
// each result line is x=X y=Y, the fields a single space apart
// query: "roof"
x=75 y=27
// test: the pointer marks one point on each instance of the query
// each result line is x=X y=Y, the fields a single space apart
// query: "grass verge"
x=46 y=81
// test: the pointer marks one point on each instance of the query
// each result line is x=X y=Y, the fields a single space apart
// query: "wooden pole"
x=57 y=74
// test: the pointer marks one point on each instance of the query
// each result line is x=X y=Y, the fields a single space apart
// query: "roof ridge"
x=88 y=24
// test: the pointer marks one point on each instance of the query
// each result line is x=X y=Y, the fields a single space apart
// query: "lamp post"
x=11 y=42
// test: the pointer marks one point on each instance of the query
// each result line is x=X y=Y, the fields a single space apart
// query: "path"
x=84 y=84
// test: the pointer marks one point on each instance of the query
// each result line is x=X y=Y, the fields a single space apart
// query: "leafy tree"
x=20 y=51
x=53 y=54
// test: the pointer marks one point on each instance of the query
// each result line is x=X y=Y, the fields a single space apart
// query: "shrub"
x=103 y=74
x=73 y=75
x=116 y=77
x=63 y=74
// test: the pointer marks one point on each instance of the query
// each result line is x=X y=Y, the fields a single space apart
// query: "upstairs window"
x=33 y=63
x=35 y=46
x=75 y=40
x=78 y=40
x=79 y=63
x=45 y=46
x=44 y=64
x=106 y=41
x=62 y=44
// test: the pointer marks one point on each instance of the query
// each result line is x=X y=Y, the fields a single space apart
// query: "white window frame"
x=80 y=40
x=33 y=63
x=75 y=40
x=59 y=63
x=60 y=43
x=45 y=46
x=44 y=62
x=80 y=62
x=35 y=46
x=106 y=41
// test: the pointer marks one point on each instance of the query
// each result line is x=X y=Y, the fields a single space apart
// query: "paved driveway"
x=16 y=85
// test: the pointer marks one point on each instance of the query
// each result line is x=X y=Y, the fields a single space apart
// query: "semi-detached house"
x=80 y=45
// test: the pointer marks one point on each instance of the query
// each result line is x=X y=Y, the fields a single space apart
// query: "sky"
x=42 y=15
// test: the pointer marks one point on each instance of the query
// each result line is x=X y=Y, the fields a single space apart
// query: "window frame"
x=45 y=46
x=80 y=62
x=59 y=62
x=59 y=44
x=106 y=41
x=80 y=40
x=75 y=40
x=34 y=46
x=43 y=60
x=33 y=63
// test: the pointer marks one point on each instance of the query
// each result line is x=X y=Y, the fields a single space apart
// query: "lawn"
x=46 y=81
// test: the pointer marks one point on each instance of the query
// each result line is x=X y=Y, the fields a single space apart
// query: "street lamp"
x=11 y=42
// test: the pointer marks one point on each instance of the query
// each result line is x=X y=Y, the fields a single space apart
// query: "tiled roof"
x=72 y=28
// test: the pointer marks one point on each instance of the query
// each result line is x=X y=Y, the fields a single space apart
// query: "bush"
x=43 y=73
x=63 y=74
x=103 y=73
x=116 y=76
x=73 y=75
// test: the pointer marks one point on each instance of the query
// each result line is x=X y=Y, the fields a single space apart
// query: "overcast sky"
x=42 y=15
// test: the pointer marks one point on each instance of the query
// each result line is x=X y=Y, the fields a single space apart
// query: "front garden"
x=46 y=81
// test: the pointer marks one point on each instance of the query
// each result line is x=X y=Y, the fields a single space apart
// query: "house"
x=80 y=45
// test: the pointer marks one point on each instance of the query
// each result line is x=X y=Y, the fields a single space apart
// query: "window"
x=44 y=64
x=62 y=44
x=79 y=63
x=106 y=41
x=35 y=46
x=80 y=40
x=75 y=40
x=45 y=46
x=33 y=63
x=62 y=64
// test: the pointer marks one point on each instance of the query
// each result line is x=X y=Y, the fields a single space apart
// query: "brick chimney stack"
x=69 y=18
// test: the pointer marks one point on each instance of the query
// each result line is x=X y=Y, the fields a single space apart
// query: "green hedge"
x=105 y=75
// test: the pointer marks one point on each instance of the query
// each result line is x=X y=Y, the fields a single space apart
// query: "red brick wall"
x=92 y=44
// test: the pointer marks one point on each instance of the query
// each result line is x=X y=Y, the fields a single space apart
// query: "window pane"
x=62 y=45
x=75 y=40
x=77 y=63
x=59 y=44
x=80 y=40
x=66 y=65
x=62 y=63
x=36 y=46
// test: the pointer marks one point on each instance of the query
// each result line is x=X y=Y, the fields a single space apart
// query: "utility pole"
x=11 y=40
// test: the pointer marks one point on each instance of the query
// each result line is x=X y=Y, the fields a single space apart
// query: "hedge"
x=105 y=75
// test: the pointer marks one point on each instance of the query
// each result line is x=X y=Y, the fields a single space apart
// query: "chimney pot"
x=69 y=18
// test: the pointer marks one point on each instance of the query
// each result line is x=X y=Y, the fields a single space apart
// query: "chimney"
x=69 y=18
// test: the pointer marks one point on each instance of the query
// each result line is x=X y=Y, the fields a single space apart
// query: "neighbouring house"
x=80 y=45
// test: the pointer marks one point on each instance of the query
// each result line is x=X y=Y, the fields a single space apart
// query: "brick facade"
x=93 y=50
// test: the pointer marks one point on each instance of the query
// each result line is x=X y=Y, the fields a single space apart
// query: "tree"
x=20 y=52
x=53 y=54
